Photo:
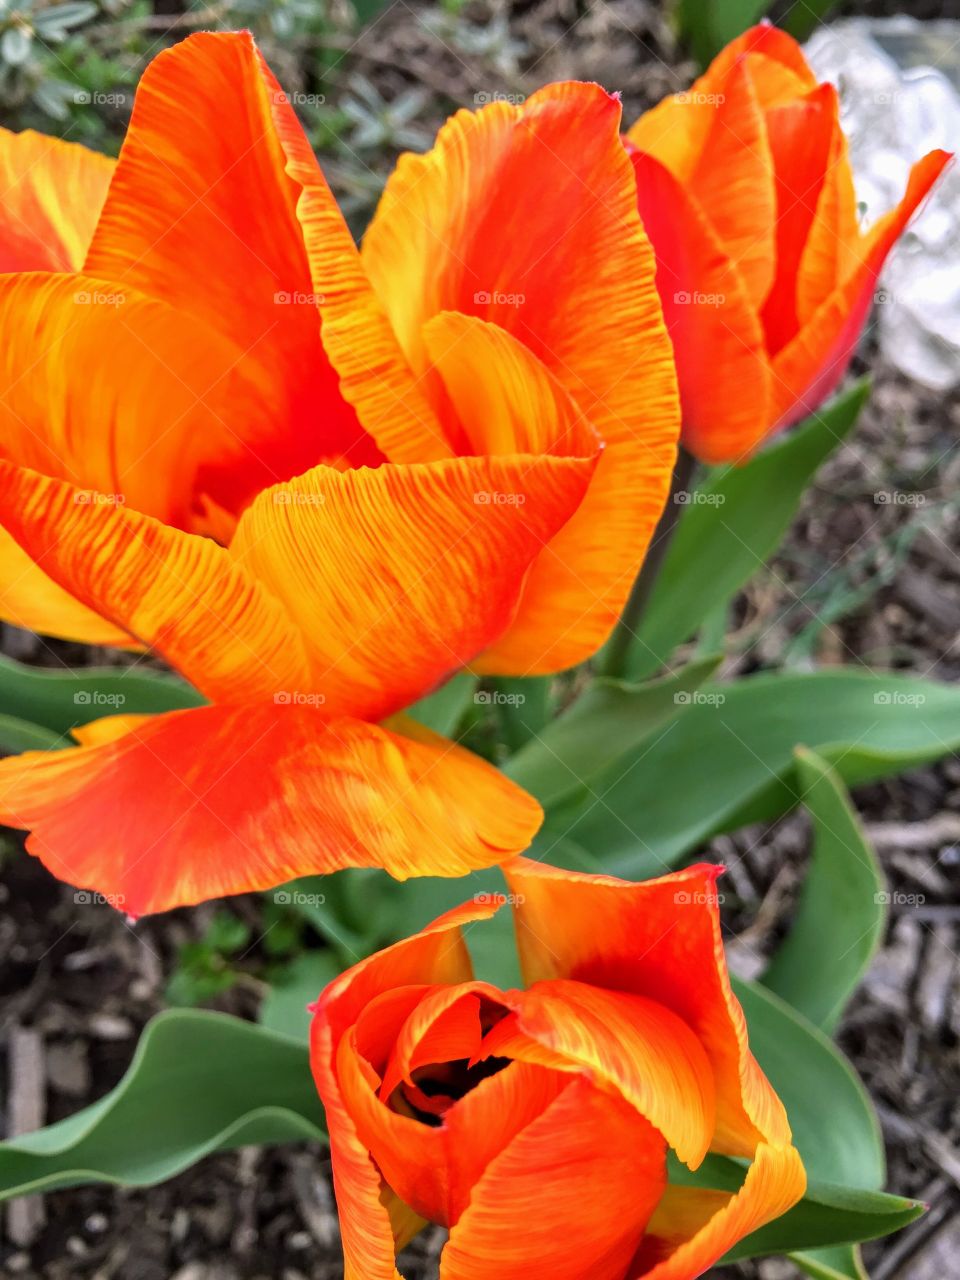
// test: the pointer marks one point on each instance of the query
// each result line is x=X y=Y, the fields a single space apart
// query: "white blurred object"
x=898 y=81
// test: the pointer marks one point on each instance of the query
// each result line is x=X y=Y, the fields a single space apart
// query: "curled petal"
x=692 y=1229
x=196 y=804
x=31 y=599
x=631 y=1043
x=202 y=192
x=812 y=364
x=660 y=939
x=718 y=339
x=401 y=575
x=577 y=289
x=52 y=192
x=143 y=425
x=175 y=592
x=436 y=954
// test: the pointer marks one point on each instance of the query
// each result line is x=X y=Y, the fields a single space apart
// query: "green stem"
x=614 y=659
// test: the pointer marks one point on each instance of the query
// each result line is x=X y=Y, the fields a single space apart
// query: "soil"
x=855 y=582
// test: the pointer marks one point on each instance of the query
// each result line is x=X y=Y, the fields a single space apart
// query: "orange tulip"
x=316 y=484
x=535 y=1123
x=766 y=278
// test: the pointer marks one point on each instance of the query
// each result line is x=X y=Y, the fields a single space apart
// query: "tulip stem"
x=614 y=658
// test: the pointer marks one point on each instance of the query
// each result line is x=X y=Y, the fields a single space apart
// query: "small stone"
x=110 y=1026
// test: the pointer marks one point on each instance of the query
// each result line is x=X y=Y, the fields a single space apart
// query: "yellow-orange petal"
x=627 y=1042
x=801 y=136
x=202 y=214
x=776 y=62
x=31 y=599
x=578 y=289
x=112 y=390
x=718 y=340
x=51 y=194
x=692 y=1229
x=659 y=939
x=504 y=399
x=676 y=130
x=175 y=592
x=569 y=1196
x=830 y=253
x=197 y=804
x=812 y=364
x=733 y=183
x=399 y=576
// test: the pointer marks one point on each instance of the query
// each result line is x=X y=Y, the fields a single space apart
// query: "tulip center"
x=437 y=1087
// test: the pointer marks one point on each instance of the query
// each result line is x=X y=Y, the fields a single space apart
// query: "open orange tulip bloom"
x=766 y=278
x=317 y=483
x=535 y=1123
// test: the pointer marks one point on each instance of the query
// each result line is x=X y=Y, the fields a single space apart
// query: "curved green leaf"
x=19 y=735
x=729 y=760
x=608 y=719
x=828 y=1215
x=284 y=1008
x=839 y=921
x=726 y=536
x=199 y=1082
x=834 y=1125
x=60 y=700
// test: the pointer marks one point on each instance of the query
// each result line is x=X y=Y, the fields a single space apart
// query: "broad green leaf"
x=199 y=1082
x=20 y=735
x=736 y=523
x=284 y=1007
x=725 y=763
x=839 y=921
x=834 y=1126
x=328 y=904
x=522 y=705
x=60 y=700
x=441 y=710
x=836 y=1132
x=606 y=720
x=828 y=1215
x=801 y=19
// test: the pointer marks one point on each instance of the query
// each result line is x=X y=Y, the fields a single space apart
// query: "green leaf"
x=801 y=19
x=834 y=1126
x=441 y=710
x=725 y=763
x=19 y=735
x=839 y=921
x=707 y=25
x=738 y=521
x=837 y=1134
x=522 y=705
x=606 y=720
x=828 y=1216
x=198 y=1083
x=284 y=1007
x=60 y=700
